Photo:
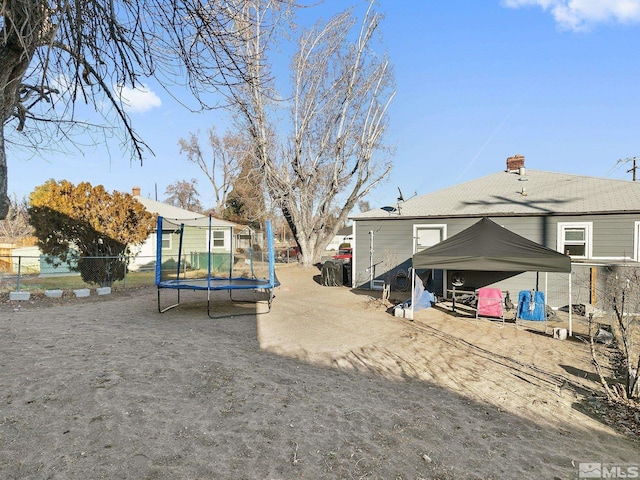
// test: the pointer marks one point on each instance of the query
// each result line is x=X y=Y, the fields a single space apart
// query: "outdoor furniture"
x=531 y=308
x=457 y=292
x=490 y=304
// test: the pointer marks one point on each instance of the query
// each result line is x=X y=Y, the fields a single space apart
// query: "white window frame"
x=222 y=236
x=432 y=226
x=588 y=240
x=168 y=235
x=636 y=241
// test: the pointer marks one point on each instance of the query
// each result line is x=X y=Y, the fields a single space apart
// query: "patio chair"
x=490 y=304
x=531 y=308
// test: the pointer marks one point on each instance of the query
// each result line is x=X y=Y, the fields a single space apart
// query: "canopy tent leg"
x=570 y=308
x=413 y=288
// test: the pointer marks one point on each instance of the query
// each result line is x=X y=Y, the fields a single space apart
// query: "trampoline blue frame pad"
x=218 y=284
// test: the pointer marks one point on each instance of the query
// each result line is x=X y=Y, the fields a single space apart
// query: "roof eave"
x=498 y=214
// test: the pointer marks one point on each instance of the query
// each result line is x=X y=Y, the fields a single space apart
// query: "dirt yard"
x=327 y=385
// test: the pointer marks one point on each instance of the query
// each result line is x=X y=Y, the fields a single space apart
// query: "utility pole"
x=632 y=169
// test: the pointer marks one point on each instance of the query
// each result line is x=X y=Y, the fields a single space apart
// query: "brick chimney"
x=515 y=163
x=135 y=191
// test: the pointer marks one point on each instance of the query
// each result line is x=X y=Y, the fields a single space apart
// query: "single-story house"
x=246 y=237
x=221 y=243
x=26 y=259
x=33 y=261
x=344 y=235
x=594 y=220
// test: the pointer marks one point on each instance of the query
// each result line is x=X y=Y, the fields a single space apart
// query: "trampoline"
x=200 y=255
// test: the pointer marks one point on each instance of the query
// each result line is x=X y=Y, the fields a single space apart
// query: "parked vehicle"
x=289 y=254
x=344 y=254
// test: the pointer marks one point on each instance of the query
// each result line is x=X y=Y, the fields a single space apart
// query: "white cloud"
x=138 y=100
x=581 y=14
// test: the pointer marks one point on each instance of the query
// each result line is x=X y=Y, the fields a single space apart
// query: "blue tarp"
x=423 y=298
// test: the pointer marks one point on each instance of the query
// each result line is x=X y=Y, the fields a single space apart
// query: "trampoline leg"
x=269 y=301
x=162 y=310
x=231 y=299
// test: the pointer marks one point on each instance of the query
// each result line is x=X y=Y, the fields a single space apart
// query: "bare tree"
x=53 y=54
x=222 y=167
x=364 y=205
x=16 y=224
x=341 y=90
x=622 y=295
x=184 y=194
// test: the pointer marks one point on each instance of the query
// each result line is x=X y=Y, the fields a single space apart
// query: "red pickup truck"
x=344 y=254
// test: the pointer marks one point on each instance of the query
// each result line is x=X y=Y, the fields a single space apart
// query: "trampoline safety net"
x=191 y=250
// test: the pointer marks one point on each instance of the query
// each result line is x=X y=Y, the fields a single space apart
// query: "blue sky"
x=477 y=82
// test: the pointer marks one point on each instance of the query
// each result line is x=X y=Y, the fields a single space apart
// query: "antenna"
x=401 y=197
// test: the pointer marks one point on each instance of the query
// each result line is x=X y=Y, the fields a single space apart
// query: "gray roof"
x=344 y=231
x=508 y=193
x=175 y=213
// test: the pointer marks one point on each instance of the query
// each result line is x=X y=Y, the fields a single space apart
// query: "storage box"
x=560 y=333
x=403 y=313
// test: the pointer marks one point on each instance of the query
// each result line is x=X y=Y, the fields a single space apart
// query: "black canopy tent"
x=486 y=246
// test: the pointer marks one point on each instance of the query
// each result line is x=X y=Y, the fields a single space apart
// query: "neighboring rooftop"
x=174 y=213
x=345 y=231
x=517 y=191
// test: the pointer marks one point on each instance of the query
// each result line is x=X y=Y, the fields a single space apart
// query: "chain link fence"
x=39 y=273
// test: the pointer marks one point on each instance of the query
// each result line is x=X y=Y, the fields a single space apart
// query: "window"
x=166 y=241
x=574 y=239
x=426 y=236
x=218 y=239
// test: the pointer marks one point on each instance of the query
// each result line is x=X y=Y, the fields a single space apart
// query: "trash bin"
x=346 y=274
x=332 y=274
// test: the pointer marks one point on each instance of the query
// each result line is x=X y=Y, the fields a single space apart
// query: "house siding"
x=613 y=235
x=392 y=250
x=194 y=251
x=613 y=239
